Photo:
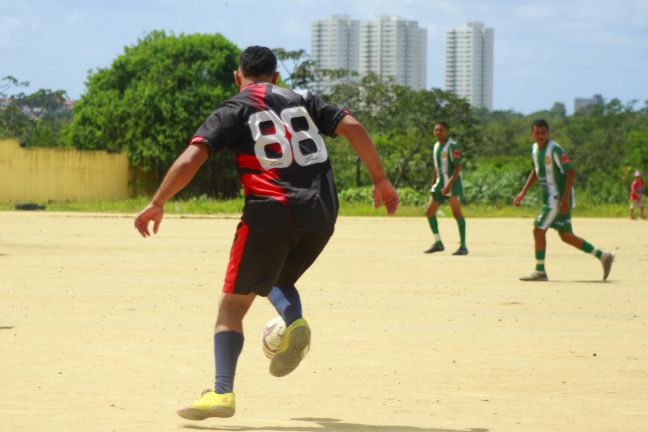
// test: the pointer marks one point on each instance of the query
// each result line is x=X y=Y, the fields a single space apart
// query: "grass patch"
x=207 y=206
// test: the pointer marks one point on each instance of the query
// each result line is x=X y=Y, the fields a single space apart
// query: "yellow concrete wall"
x=41 y=174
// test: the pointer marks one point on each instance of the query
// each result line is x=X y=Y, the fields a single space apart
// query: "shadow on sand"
x=331 y=425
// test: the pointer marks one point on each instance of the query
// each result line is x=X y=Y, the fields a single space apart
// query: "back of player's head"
x=540 y=123
x=442 y=123
x=256 y=61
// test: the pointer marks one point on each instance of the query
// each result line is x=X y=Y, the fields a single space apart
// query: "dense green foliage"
x=400 y=121
x=35 y=119
x=156 y=94
x=606 y=143
x=152 y=99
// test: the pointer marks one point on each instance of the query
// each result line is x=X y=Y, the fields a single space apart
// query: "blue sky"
x=545 y=50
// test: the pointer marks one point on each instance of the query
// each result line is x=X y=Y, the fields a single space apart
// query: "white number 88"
x=318 y=155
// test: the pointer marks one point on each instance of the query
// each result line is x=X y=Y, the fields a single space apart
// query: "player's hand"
x=385 y=194
x=150 y=213
x=564 y=207
x=518 y=200
x=445 y=191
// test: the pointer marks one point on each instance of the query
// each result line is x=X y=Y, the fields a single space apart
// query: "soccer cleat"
x=606 y=260
x=537 y=276
x=210 y=404
x=436 y=247
x=463 y=250
x=293 y=348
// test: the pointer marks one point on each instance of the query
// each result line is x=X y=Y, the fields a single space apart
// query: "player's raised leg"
x=296 y=339
x=287 y=302
x=306 y=247
x=606 y=258
x=228 y=343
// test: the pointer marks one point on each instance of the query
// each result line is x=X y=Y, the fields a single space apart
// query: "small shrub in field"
x=407 y=196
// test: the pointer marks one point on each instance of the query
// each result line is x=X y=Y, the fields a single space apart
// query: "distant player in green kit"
x=554 y=170
x=446 y=185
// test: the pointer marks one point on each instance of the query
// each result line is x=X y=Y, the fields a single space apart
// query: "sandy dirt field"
x=101 y=330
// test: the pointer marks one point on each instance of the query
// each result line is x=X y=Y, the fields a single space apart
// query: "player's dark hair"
x=256 y=61
x=442 y=123
x=540 y=123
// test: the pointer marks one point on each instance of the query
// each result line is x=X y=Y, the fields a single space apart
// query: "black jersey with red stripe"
x=281 y=158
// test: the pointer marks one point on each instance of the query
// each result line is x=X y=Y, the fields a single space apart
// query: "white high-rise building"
x=387 y=46
x=582 y=103
x=334 y=45
x=393 y=47
x=469 y=63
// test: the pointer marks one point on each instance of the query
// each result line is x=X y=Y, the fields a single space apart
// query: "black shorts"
x=261 y=258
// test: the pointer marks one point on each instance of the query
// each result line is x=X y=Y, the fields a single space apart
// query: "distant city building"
x=393 y=47
x=334 y=45
x=581 y=103
x=469 y=63
x=388 y=46
x=33 y=112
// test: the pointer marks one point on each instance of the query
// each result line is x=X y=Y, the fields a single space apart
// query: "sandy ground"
x=101 y=330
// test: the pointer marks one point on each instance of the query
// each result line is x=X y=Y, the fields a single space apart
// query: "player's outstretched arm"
x=565 y=199
x=180 y=174
x=383 y=191
x=453 y=178
x=530 y=181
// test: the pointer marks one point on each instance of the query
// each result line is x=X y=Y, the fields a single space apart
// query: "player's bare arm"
x=383 y=191
x=530 y=181
x=434 y=176
x=565 y=199
x=453 y=178
x=180 y=174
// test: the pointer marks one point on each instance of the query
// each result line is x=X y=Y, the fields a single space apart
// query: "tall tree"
x=402 y=120
x=153 y=98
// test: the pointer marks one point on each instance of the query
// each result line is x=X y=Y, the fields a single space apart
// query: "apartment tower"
x=469 y=63
x=387 y=46
x=334 y=45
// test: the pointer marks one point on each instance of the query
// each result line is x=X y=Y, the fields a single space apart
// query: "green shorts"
x=442 y=199
x=551 y=218
x=457 y=190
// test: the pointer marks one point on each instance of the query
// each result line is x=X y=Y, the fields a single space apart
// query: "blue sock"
x=287 y=302
x=227 y=348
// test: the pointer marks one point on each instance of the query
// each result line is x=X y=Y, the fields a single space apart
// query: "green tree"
x=401 y=121
x=295 y=67
x=35 y=119
x=153 y=98
x=299 y=71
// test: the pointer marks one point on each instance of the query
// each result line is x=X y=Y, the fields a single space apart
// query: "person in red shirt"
x=636 y=195
x=291 y=206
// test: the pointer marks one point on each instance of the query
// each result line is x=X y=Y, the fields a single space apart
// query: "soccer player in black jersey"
x=290 y=208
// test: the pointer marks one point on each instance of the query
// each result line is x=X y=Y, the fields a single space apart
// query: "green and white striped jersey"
x=551 y=165
x=445 y=158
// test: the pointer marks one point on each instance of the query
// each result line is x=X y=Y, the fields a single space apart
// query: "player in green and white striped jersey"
x=446 y=185
x=554 y=170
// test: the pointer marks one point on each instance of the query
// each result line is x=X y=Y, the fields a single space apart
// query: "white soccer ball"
x=272 y=336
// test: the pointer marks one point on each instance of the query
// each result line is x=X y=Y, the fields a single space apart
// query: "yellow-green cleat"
x=210 y=404
x=293 y=348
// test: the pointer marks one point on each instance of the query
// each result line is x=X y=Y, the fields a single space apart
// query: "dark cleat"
x=463 y=250
x=436 y=247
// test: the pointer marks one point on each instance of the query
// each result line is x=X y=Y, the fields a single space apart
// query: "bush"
x=407 y=196
x=498 y=180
